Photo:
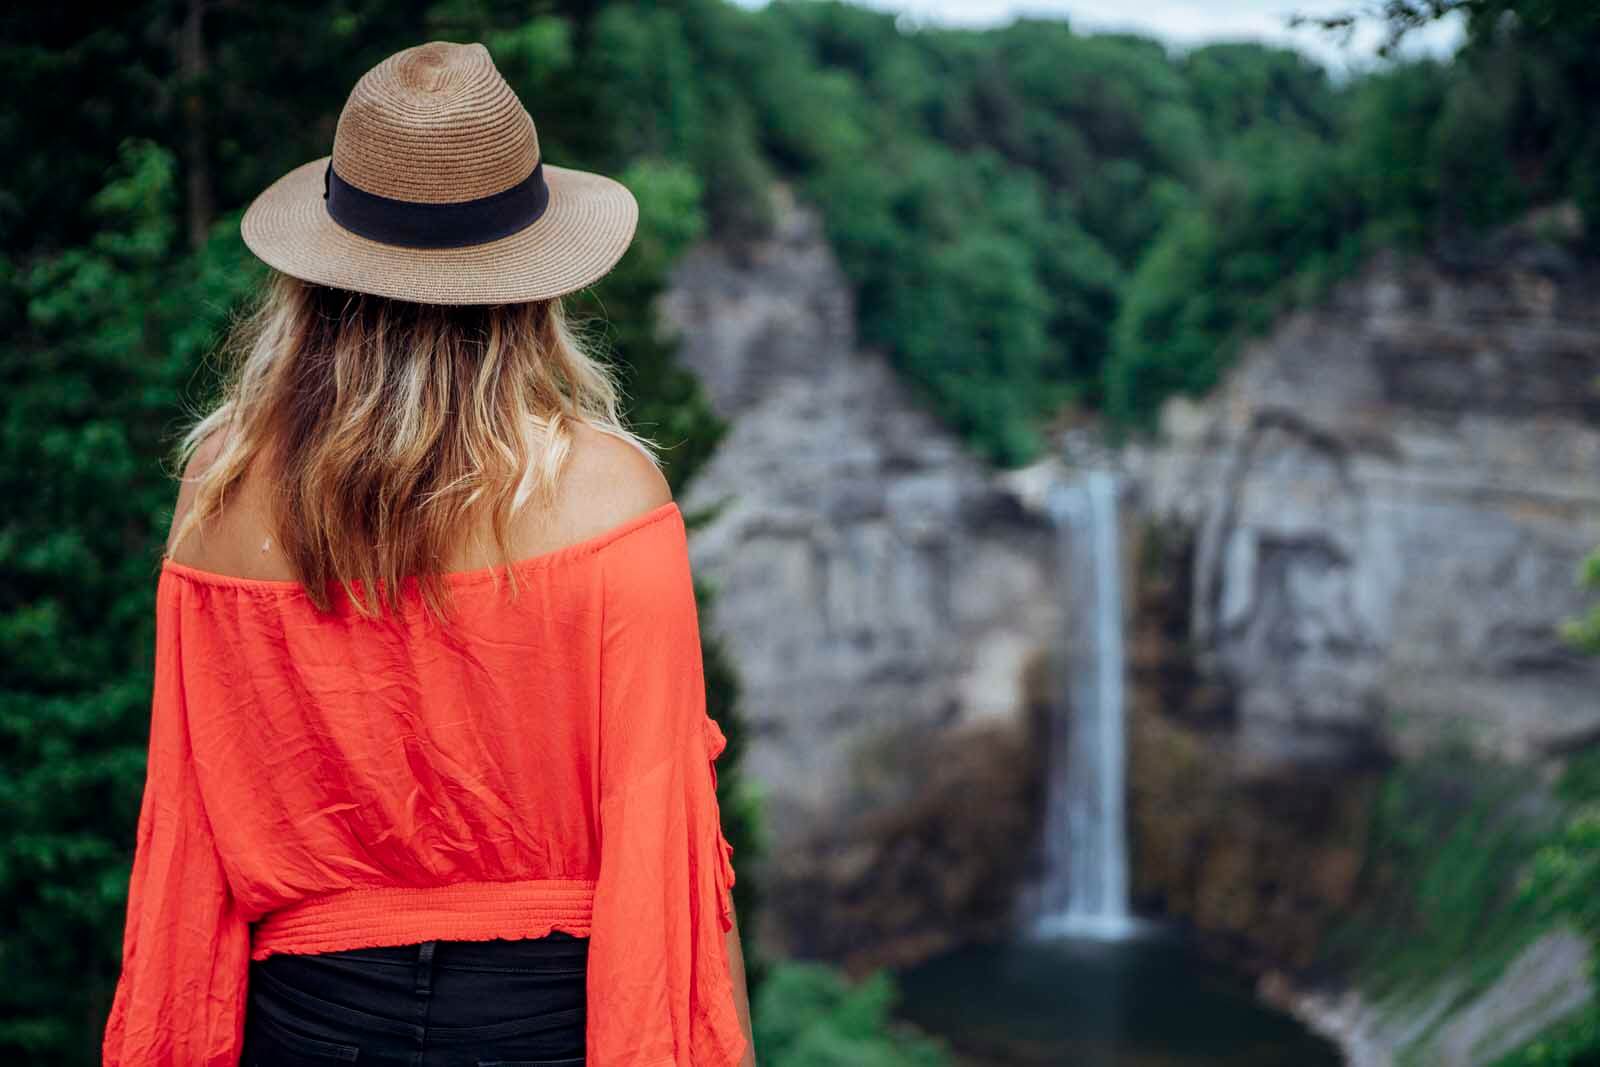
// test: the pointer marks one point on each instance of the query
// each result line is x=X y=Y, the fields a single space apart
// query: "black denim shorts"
x=435 y=1004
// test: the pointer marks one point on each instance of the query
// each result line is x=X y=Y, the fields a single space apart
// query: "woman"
x=431 y=777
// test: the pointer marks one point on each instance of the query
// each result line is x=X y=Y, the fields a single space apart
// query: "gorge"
x=1352 y=554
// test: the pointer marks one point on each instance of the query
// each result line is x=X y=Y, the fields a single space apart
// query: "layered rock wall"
x=890 y=604
x=1359 y=550
x=1391 y=495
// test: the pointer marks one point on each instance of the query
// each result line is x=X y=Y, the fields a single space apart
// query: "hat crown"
x=435 y=124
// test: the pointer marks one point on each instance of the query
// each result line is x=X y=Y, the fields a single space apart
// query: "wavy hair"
x=388 y=428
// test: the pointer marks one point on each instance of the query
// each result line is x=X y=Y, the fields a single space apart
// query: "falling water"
x=1085 y=888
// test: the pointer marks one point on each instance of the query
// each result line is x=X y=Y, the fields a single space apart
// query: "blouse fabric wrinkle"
x=320 y=782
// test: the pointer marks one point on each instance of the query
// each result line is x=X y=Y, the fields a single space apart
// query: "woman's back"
x=324 y=781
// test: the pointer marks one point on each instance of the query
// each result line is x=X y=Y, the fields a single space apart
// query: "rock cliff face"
x=1454 y=1025
x=1391 y=495
x=889 y=603
x=1258 y=859
x=1357 y=550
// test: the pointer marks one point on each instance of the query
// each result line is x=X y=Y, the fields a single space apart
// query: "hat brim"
x=587 y=226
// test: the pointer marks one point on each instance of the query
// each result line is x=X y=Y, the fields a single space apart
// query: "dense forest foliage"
x=1034 y=221
x=1035 y=218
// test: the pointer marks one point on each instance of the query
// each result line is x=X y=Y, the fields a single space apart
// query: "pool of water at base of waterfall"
x=1150 y=1000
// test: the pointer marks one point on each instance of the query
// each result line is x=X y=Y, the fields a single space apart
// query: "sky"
x=1184 y=23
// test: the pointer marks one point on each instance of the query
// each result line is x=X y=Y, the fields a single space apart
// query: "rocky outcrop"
x=1391 y=494
x=1258 y=861
x=887 y=600
x=1356 y=551
x=1453 y=1025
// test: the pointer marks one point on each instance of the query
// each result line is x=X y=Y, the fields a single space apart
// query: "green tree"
x=1584 y=631
x=101 y=341
x=808 y=1016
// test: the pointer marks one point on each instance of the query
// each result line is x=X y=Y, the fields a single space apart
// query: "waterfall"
x=1085 y=887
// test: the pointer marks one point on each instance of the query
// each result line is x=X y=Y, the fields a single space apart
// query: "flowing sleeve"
x=660 y=993
x=180 y=998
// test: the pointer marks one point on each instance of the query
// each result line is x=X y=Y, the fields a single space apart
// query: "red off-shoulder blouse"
x=324 y=781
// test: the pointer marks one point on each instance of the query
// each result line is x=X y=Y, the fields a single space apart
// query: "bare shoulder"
x=610 y=480
x=199 y=462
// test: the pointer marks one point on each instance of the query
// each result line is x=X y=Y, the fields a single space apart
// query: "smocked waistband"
x=404 y=915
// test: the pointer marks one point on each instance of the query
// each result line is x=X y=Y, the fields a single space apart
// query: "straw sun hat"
x=436 y=192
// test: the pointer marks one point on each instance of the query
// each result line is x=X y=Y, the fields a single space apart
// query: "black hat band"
x=411 y=224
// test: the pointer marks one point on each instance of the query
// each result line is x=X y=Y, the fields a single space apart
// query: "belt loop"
x=425 y=966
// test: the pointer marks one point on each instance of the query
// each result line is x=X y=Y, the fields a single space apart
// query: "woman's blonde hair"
x=389 y=428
